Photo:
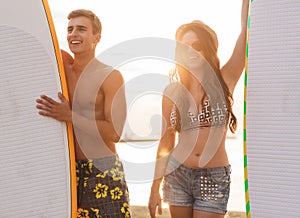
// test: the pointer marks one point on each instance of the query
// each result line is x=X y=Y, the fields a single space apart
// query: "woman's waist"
x=201 y=155
x=173 y=164
x=188 y=171
x=199 y=161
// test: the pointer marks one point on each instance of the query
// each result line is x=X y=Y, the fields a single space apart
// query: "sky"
x=124 y=20
x=129 y=19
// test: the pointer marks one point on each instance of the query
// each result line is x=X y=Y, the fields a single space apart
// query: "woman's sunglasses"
x=197 y=45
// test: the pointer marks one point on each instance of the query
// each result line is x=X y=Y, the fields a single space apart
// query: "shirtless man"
x=97 y=110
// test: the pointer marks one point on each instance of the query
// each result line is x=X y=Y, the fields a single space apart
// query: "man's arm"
x=109 y=127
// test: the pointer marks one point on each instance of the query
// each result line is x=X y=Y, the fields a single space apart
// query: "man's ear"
x=97 y=38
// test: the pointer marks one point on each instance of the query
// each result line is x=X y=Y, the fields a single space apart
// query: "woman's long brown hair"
x=216 y=88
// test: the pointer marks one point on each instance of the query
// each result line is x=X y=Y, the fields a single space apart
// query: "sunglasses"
x=197 y=45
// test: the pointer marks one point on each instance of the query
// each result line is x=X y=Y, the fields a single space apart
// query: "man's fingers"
x=50 y=108
x=48 y=99
x=42 y=107
x=61 y=97
x=42 y=104
x=45 y=114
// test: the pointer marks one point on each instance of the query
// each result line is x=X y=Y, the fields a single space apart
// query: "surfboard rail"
x=247 y=200
x=64 y=86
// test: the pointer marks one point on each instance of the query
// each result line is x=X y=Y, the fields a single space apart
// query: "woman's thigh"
x=180 y=212
x=205 y=214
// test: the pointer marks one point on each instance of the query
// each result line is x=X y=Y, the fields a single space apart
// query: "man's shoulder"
x=107 y=68
x=104 y=73
x=66 y=57
x=100 y=67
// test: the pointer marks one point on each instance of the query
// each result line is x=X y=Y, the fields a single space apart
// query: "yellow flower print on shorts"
x=81 y=213
x=101 y=190
x=116 y=193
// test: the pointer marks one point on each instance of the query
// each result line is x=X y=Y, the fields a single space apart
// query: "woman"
x=198 y=107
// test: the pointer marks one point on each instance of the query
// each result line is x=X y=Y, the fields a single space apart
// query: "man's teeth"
x=75 y=42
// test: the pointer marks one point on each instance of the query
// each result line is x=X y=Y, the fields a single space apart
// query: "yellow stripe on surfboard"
x=69 y=124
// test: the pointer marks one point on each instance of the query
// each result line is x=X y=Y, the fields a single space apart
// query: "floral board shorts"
x=205 y=189
x=101 y=189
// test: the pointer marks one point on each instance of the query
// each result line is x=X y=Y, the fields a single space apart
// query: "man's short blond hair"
x=97 y=26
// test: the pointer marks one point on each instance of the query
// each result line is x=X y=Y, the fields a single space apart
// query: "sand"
x=142 y=212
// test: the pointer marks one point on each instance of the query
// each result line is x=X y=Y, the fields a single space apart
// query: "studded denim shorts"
x=205 y=189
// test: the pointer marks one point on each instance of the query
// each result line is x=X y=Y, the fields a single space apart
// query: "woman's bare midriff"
x=205 y=151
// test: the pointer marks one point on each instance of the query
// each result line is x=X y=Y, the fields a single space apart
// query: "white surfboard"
x=273 y=110
x=36 y=153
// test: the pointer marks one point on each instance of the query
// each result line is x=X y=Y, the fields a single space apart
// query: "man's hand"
x=60 y=111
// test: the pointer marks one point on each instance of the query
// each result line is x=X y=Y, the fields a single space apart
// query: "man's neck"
x=81 y=61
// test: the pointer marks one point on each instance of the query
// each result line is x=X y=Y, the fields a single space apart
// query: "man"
x=97 y=110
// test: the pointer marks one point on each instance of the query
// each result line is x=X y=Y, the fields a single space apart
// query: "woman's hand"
x=155 y=201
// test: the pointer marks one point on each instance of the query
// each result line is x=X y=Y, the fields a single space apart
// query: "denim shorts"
x=205 y=189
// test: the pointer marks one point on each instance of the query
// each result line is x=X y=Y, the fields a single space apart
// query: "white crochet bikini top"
x=208 y=117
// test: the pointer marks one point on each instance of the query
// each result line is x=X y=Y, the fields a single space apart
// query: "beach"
x=142 y=153
x=142 y=212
